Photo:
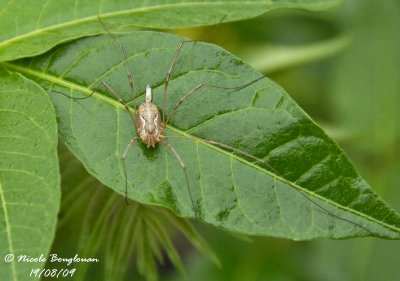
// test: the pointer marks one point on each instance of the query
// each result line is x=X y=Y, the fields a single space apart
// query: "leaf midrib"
x=119 y=13
x=149 y=9
x=72 y=86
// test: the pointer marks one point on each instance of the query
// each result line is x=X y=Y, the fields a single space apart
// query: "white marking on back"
x=149 y=95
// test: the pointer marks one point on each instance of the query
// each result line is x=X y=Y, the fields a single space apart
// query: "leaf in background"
x=33 y=27
x=29 y=179
x=230 y=192
x=284 y=39
x=269 y=58
x=365 y=84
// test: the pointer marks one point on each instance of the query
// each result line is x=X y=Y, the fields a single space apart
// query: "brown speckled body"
x=148 y=124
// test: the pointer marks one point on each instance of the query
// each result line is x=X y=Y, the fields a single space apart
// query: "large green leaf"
x=42 y=24
x=229 y=191
x=29 y=179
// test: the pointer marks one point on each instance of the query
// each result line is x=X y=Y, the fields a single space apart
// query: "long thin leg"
x=125 y=153
x=262 y=161
x=183 y=166
x=241 y=152
x=97 y=88
x=92 y=92
x=202 y=85
x=131 y=140
x=124 y=167
x=120 y=100
x=124 y=59
x=74 y=98
x=178 y=50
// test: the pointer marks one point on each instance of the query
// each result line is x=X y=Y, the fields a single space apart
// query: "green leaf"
x=29 y=179
x=94 y=222
x=315 y=192
x=270 y=57
x=42 y=24
x=287 y=39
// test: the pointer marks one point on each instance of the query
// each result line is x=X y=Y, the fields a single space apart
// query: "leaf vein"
x=8 y=229
x=30 y=119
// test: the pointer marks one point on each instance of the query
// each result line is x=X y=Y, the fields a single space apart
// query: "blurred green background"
x=343 y=68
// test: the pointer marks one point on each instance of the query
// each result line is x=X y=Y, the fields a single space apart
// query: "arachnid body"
x=148 y=121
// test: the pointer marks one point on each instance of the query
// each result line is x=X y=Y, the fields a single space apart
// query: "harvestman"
x=150 y=124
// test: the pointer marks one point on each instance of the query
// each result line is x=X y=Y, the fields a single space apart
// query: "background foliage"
x=355 y=95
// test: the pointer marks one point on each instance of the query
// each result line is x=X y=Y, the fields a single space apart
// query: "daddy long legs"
x=147 y=120
x=150 y=122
